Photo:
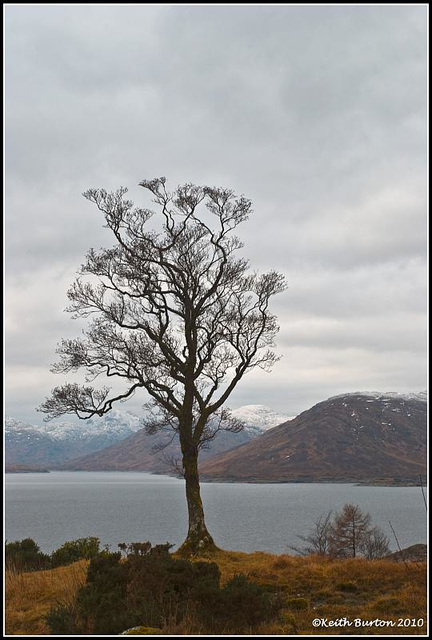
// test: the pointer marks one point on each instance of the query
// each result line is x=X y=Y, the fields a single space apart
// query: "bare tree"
x=176 y=313
x=318 y=540
x=375 y=544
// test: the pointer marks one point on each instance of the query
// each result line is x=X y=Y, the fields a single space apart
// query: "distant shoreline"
x=24 y=469
x=205 y=480
x=355 y=481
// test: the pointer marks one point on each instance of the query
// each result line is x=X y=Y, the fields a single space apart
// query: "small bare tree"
x=318 y=540
x=175 y=313
x=375 y=544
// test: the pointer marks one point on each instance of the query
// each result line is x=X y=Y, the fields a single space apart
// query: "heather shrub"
x=73 y=550
x=62 y=620
x=149 y=588
x=25 y=555
x=239 y=606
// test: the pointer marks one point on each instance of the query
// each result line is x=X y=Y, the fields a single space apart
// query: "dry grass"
x=319 y=587
x=313 y=587
x=29 y=596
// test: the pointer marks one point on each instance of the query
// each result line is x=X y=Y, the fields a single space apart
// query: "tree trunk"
x=198 y=538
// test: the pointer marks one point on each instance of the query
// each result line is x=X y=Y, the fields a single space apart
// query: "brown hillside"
x=351 y=438
x=136 y=453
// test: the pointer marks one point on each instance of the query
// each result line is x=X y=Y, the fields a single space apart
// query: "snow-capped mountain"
x=12 y=425
x=54 y=443
x=115 y=424
x=259 y=418
x=137 y=451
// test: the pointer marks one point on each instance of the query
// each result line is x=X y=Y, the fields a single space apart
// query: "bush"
x=74 y=550
x=239 y=606
x=149 y=588
x=62 y=620
x=25 y=555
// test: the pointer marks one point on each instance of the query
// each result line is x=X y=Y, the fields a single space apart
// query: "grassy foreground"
x=313 y=586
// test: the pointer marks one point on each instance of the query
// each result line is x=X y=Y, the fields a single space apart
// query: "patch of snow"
x=378 y=395
x=260 y=417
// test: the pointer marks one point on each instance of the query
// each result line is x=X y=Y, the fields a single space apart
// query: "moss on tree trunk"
x=198 y=539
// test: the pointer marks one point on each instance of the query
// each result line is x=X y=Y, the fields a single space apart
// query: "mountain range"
x=55 y=443
x=367 y=437
x=141 y=452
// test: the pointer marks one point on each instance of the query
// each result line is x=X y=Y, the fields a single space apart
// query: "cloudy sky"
x=315 y=113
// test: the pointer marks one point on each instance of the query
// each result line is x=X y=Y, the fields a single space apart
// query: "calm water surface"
x=133 y=506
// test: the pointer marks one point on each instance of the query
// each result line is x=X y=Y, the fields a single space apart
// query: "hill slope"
x=359 y=437
x=136 y=453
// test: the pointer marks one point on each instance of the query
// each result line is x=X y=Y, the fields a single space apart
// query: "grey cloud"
x=403 y=333
x=344 y=294
x=307 y=375
x=317 y=113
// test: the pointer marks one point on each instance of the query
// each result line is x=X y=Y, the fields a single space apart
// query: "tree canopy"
x=173 y=310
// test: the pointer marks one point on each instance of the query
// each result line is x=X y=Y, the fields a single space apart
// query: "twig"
x=423 y=493
x=399 y=547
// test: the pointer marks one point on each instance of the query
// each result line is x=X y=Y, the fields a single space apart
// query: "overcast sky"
x=315 y=113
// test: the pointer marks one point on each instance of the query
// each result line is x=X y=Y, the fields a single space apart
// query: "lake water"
x=132 y=506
